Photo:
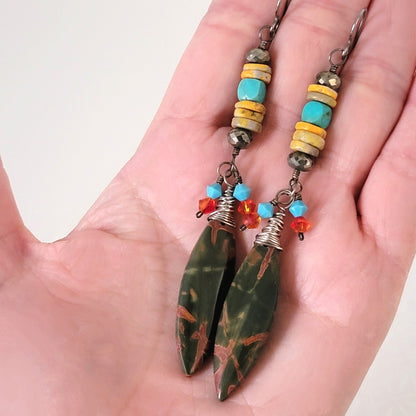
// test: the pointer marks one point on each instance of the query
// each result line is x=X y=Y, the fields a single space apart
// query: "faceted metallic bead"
x=240 y=138
x=259 y=56
x=329 y=79
x=301 y=161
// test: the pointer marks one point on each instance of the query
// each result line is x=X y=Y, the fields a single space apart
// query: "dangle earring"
x=248 y=309
x=211 y=267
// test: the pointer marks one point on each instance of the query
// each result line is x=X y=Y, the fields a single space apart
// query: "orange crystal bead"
x=252 y=220
x=207 y=205
x=247 y=207
x=300 y=225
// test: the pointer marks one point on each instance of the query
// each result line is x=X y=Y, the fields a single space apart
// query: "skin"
x=87 y=323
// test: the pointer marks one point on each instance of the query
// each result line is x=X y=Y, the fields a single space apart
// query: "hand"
x=87 y=323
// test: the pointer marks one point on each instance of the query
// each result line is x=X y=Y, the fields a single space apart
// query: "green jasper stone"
x=204 y=285
x=246 y=318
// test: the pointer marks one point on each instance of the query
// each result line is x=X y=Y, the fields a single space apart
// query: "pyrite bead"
x=329 y=79
x=258 y=55
x=239 y=138
x=301 y=161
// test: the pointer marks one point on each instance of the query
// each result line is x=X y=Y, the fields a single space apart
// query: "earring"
x=211 y=266
x=249 y=306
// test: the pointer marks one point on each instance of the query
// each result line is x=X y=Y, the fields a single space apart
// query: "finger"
x=376 y=83
x=388 y=200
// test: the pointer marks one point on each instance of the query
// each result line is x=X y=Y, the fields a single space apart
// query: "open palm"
x=87 y=323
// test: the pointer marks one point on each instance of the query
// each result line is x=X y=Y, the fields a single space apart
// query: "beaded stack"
x=309 y=137
x=248 y=117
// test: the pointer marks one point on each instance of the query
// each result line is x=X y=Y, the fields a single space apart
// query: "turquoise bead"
x=265 y=210
x=317 y=113
x=214 y=190
x=298 y=209
x=252 y=90
x=241 y=192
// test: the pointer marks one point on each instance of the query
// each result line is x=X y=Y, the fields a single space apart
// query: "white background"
x=79 y=83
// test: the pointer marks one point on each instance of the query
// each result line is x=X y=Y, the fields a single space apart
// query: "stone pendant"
x=205 y=283
x=246 y=318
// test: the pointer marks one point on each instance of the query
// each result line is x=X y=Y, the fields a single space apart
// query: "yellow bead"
x=262 y=76
x=304 y=147
x=252 y=115
x=245 y=123
x=303 y=125
x=257 y=67
x=310 y=138
x=317 y=96
x=323 y=90
x=251 y=105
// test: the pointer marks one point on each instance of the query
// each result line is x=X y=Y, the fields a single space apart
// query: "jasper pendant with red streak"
x=204 y=285
x=246 y=318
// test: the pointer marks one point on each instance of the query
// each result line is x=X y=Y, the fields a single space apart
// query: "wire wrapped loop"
x=270 y=235
x=225 y=208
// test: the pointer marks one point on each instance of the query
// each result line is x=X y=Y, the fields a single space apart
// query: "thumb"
x=10 y=220
x=13 y=233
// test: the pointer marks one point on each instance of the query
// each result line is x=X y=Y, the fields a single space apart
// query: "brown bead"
x=239 y=138
x=329 y=79
x=258 y=55
x=301 y=161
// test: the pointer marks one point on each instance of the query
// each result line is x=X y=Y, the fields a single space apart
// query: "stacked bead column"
x=249 y=110
x=309 y=137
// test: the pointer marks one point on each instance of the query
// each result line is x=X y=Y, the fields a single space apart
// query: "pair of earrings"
x=231 y=313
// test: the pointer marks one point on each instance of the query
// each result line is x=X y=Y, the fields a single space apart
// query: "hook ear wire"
x=356 y=30
x=268 y=32
x=345 y=52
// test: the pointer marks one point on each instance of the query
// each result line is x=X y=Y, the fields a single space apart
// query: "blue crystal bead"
x=241 y=192
x=252 y=90
x=265 y=210
x=214 y=190
x=298 y=209
x=317 y=113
